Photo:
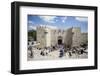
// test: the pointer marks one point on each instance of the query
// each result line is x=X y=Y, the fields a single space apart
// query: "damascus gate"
x=57 y=37
x=71 y=37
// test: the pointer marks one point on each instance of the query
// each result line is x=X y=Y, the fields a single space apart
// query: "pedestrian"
x=61 y=53
x=70 y=54
x=31 y=52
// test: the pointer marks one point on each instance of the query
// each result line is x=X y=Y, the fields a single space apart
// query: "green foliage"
x=84 y=44
x=32 y=33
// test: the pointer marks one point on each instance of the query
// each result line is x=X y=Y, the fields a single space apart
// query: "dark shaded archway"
x=59 y=40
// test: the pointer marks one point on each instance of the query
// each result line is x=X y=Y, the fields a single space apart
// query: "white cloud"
x=56 y=20
x=30 y=22
x=52 y=27
x=81 y=18
x=30 y=27
x=64 y=19
x=49 y=26
x=49 y=19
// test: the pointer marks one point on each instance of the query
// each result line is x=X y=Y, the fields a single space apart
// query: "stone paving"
x=53 y=55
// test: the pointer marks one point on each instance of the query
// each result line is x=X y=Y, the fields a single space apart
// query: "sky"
x=59 y=22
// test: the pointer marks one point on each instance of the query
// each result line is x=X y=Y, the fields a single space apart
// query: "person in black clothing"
x=61 y=53
x=70 y=54
x=31 y=53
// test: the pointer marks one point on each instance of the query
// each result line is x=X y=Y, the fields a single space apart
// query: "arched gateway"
x=60 y=40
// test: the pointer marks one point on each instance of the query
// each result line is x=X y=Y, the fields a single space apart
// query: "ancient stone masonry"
x=71 y=37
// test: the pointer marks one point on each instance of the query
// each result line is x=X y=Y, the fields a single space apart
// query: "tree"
x=32 y=33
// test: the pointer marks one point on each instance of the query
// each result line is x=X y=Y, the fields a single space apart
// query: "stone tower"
x=71 y=37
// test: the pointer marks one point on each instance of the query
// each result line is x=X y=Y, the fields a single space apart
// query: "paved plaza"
x=46 y=54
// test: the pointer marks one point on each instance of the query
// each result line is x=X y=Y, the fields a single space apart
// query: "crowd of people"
x=60 y=48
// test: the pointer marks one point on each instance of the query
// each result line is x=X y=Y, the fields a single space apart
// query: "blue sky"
x=60 y=22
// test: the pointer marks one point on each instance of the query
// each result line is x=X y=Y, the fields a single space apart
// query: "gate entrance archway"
x=59 y=40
